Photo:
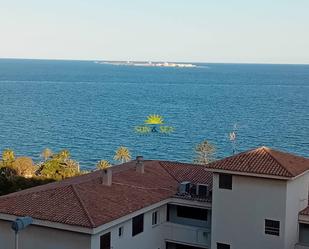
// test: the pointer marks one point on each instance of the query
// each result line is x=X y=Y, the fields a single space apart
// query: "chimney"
x=107 y=177
x=140 y=164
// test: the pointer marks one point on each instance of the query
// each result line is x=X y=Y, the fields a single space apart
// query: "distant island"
x=146 y=64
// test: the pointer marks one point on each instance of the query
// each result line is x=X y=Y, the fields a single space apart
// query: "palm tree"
x=8 y=156
x=46 y=153
x=64 y=154
x=103 y=164
x=204 y=153
x=122 y=154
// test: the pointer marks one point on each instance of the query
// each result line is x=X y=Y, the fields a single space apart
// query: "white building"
x=256 y=199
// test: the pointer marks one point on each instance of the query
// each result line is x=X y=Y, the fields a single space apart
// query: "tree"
x=204 y=153
x=122 y=154
x=8 y=156
x=46 y=153
x=69 y=168
x=24 y=166
x=17 y=183
x=64 y=154
x=59 y=166
x=7 y=172
x=58 y=170
x=103 y=164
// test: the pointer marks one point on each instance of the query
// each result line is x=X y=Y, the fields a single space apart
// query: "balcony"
x=190 y=235
x=301 y=246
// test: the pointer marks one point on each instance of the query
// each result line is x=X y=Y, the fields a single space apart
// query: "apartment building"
x=255 y=199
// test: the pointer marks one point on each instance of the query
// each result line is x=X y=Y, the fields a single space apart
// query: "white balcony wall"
x=191 y=235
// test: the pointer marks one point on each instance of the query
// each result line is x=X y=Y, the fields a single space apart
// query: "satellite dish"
x=21 y=223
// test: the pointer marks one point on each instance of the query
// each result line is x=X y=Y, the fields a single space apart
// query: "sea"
x=91 y=109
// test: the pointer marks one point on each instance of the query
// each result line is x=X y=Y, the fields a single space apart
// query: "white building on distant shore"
x=256 y=199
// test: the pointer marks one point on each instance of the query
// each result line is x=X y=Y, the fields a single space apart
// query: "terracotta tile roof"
x=263 y=161
x=182 y=172
x=85 y=201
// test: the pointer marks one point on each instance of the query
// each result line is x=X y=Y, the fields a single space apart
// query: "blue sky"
x=163 y=30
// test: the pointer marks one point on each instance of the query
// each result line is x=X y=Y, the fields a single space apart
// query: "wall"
x=297 y=200
x=188 y=231
x=42 y=238
x=238 y=215
x=150 y=238
x=153 y=237
x=187 y=235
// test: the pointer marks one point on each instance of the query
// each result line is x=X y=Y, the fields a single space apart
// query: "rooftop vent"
x=140 y=164
x=107 y=177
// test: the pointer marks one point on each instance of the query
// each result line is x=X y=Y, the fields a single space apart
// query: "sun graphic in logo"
x=154 y=119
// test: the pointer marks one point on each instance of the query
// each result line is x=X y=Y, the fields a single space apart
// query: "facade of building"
x=256 y=199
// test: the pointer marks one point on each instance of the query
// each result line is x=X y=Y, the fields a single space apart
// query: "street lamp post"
x=20 y=224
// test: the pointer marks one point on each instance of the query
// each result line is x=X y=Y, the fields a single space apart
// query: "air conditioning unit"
x=202 y=190
x=202 y=236
x=184 y=187
x=193 y=189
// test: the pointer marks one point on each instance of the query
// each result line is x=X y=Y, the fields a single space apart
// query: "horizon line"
x=169 y=61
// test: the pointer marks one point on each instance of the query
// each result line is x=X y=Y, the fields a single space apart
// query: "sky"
x=239 y=31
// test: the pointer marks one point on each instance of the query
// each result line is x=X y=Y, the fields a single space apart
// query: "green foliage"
x=17 y=183
x=204 y=153
x=59 y=166
x=103 y=164
x=63 y=154
x=7 y=172
x=122 y=154
x=18 y=174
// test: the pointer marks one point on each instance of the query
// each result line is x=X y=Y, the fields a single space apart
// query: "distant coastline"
x=147 y=64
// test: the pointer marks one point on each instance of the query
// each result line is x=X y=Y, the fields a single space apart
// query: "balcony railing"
x=190 y=235
x=301 y=246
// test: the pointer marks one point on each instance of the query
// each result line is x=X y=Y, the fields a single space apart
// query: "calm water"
x=91 y=109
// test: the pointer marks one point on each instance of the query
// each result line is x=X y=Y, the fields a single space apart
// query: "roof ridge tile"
x=160 y=163
x=268 y=151
x=82 y=205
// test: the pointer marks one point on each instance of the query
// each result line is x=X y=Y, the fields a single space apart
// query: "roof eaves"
x=233 y=172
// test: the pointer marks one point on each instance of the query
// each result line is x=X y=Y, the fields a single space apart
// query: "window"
x=137 y=224
x=120 y=231
x=304 y=233
x=225 y=181
x=202 y=190
x=223 y=246
x=105 y=241
x=154 y=218
x=168 y=207
x=192 y=213
x=272 y=227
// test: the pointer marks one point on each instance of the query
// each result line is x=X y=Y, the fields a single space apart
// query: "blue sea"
x=91 y=109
